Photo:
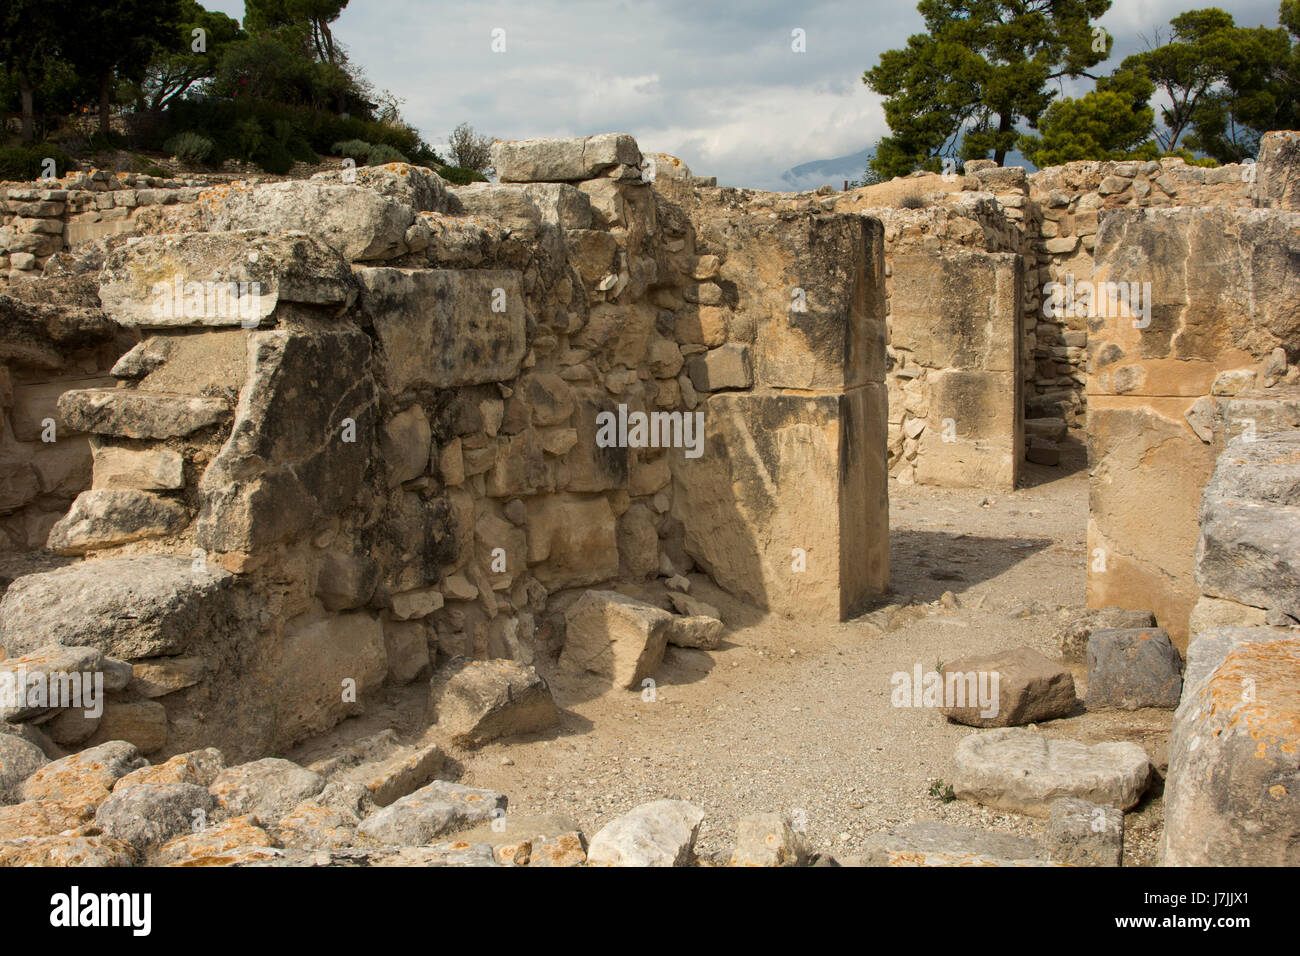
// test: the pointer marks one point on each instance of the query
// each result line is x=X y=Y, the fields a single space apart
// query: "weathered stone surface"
x=619 y=638
x=726 y=367
x=140 y=722
x=60 y=850
x=696 y=630
x=152 y=813
x=572 y=540
x=476 y=702
x=383 y=766
x=104 y=518
x=1084 y=834
x=1073 y=637
x=405 y=445
x=1128 y=669
x=60 y=676
x=129 y=413
x=768 y=839
x=150 y=469
x=267 y=789
x=743 y=528
x=215 y=845
x=83 y=780
x=319 y=824
x=198 y=767
x=19 y=759
x=346 y=581
x=441 y=328
x=1022 y=770
x=300 y=443
x=1030 y=689
x=563 y=160
x=359 y=223
x=138 y=286
x=415 y=186
x=166 y=675
x=319 y=655
x=661 y=833
x=432 y=811
x=1278 y=170
x=33 y=819
x=932 y=843
x=1234 y=756
x=128 y=607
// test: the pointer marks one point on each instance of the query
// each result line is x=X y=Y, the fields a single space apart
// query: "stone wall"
x=360 y=431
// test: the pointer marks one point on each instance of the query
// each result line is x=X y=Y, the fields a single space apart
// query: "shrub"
x=381 y=153
x=27 y=162
x=190 y=147
x=459 y=175
x=352 y=148
x=912 y=202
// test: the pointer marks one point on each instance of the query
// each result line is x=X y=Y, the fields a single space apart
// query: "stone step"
x=385 y=766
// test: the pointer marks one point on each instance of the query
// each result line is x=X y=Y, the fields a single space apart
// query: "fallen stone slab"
x=47 y=678
x=384 y=766
x=1028 y=689
x=617 y=637
x=1084 y=833
x=433 y=810
x=84 y=780
x=326 y=821
x=931 y=843
x=267 y=788
x=213 y=845
x=476 y=702
x=1073 y=637
x=1025 y=771
x=661 y=833
x=696 y=631
x=1128 y=669
x=769 y=839
x=66 y=850
x=128 y=607
x=1234 y=757
x=198 y=767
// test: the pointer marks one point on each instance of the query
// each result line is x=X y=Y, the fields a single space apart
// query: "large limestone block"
x=415 y=186
x=327 y=668
x=1030 y=689
x=476 y=702
x=1211 y=648
x=958 y=309
x=815 y=290
x=442 y=328
x=148 y=469
x=128 y=607
x=1025 y=771
x=301 y=441
x=106 y=517
x=127 y=413
x=1144 y=492
x=787 y=505
x=1234 y=757
x=974 y=435
x=563 y=160
x=572 y=540
x=615 y=636
x=150 y=281
x=661 y=833
x=1278 y=170
x=1223 y=283
x=358 y=223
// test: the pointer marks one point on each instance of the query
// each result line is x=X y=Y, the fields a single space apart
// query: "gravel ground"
x=794 y=716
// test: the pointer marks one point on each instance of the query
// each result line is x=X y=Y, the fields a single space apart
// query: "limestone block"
x=572 y=540
x=974 y=436
x=318 y=656
x=442 y=328
x=616 y=637
x=563 y=160
x=476 y=702
x=148 y=469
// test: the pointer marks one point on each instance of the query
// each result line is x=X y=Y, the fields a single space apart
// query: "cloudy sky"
x=713 y=82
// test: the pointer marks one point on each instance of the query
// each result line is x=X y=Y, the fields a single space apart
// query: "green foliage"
x=353 y=149
x=981 y=67
x=942 y=792
x=190 y=147
x=22 y=163
x=459 y=175
x=176 y=65
x=912 y=202
x=380 y=154
x=1113 y=121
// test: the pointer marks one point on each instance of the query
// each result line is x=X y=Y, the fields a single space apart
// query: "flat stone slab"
x=931 y=843
x=128 y=607
x=1022 y=770
x=1028 y=688
x=130 y=413
x=432 y=811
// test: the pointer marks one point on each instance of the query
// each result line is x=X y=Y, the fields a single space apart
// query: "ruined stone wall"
x=358 y=433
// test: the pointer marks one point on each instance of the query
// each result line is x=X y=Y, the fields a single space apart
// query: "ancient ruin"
x=386 y=475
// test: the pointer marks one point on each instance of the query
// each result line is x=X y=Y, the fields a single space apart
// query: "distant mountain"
x=822 y=171
x=834 y=171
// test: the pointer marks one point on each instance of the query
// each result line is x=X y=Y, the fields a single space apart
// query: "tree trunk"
x=29 y=113
x=1004 y=126
x=105 y=86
